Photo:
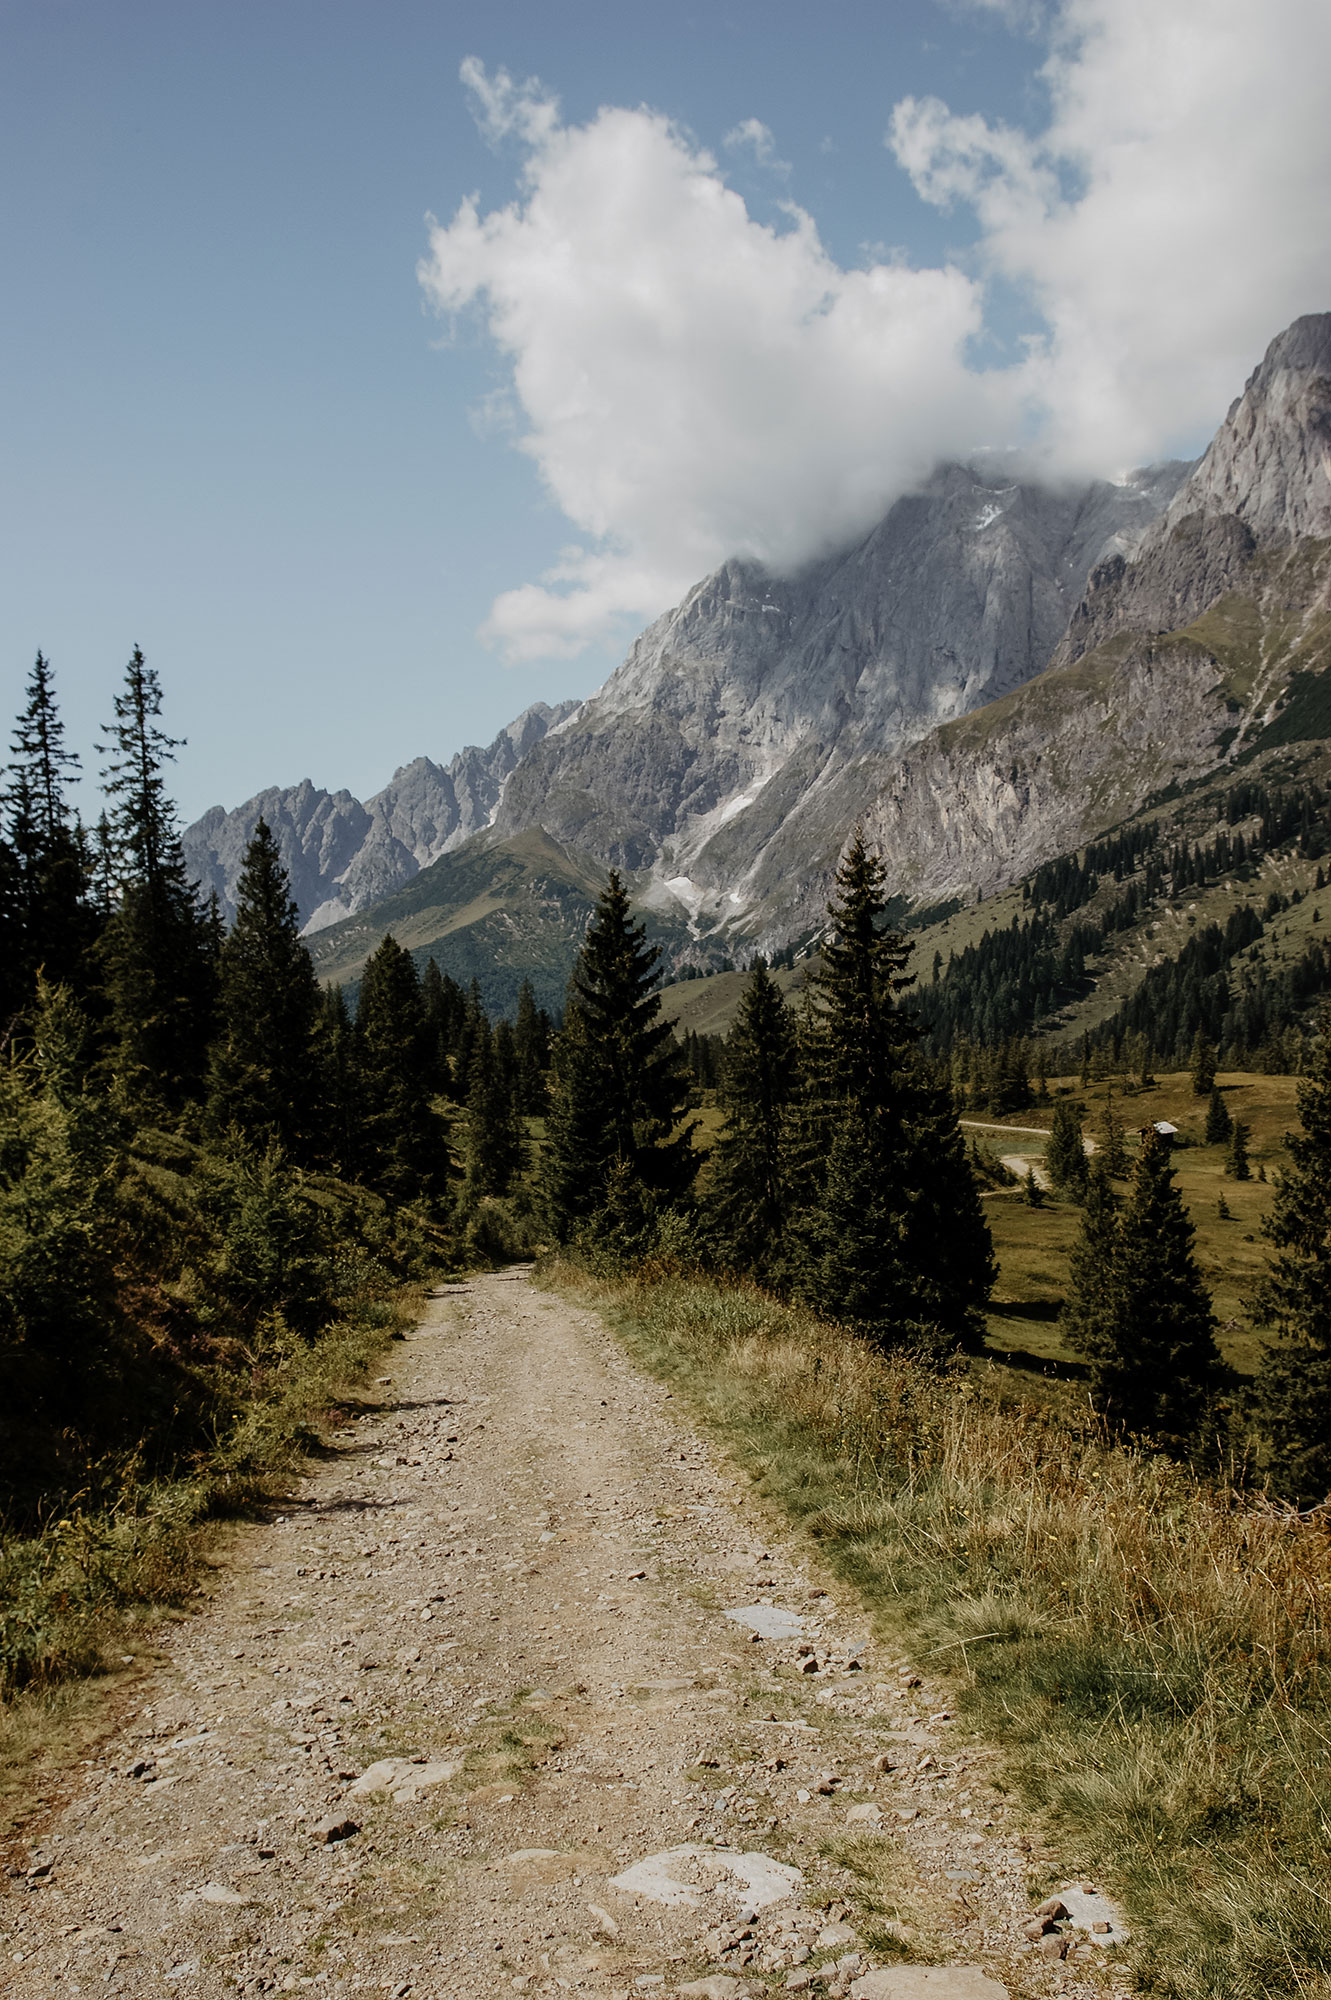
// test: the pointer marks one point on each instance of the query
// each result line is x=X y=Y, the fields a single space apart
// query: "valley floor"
x=506 y=1588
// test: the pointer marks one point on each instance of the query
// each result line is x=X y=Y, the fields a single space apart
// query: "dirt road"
x=443 y=1705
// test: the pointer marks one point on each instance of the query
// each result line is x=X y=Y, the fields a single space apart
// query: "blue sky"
x=237 y=430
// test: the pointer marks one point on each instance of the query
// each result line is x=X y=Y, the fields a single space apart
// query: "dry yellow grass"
x=1153 y=1653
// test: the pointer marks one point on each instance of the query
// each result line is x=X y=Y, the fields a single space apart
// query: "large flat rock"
x=928 y=1982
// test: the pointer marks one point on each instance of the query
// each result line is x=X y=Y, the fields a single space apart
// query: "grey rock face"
x=1269 y=464
x=1264 y=482
x=980 y=808
x=342 y=855
x=731 y=711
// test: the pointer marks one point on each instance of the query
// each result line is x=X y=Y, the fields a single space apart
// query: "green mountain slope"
x=494 y=910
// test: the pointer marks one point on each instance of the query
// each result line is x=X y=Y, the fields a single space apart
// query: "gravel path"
x=488 y=1633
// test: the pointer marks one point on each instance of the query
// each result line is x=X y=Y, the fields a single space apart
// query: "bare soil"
x=505 y=1585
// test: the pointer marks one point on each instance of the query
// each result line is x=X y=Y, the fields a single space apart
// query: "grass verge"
x=1152 y=1654
x=76 y=1595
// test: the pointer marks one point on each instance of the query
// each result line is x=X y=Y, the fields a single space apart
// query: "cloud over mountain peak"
x=695 y=383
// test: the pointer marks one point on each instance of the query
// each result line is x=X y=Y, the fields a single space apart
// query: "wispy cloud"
x=752 y=136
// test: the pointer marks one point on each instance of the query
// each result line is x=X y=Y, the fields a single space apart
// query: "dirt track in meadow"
x=505 y=1588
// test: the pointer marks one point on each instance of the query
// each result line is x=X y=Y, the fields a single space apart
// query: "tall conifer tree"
x=1139 y=1309
x=438 y=1038
x=531 y=1039
x=1237 y=1164
x=337 y=1069
x=56 y=922
x=263 y=1078
x=495 y=1145
x=860 y=976
x=1065 y=1155
x=401 y=1140
x=749 y=1193
x=1202 y=1064
x=1113 y=1149
x=1294 y=1387
x=1090 y=1311
x=619 y=1084
x=158 y=946
x=1218 y=1120
x=923 y=1269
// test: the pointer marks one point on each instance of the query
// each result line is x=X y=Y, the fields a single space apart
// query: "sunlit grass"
x=1152 y=1654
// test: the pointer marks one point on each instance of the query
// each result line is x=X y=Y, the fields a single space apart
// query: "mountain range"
x=997 y=673
x=342 y=855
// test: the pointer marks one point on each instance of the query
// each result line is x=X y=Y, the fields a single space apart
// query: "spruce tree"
x=506 y=1056
x=531 y=1041
x=1236 y=1161
x=1065 y=1155
x=854 y=1269
x=1139 y=1309
x=1202 y=1064
x=472 y=1024
x=946 y=1248
x=1113 y=1150
x=1089 y=1318
x=748 y=1173
x=619 y=1087
x=1294 y=1386
x=495 y=1145
x=860 y=975
x=262 y=1075
x=55 y=918
x=338 y=1081
x=401 y=1147
x=439 y=1026
x=158 y=947
x=1218 y=1120
x=927 y=1278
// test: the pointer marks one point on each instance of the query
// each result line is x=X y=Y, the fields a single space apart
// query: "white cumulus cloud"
x=693 y=383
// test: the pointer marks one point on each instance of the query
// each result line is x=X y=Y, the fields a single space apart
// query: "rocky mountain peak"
x=737 y=706
x=1263 y=482
x=1269 y=464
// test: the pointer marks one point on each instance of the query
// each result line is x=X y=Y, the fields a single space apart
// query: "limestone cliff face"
x=342 y=855
x=1263 y=483
x=732 y=708
x=978 y=803
x=1269 y=465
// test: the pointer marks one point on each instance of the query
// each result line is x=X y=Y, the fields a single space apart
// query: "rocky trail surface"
x=522 y=1692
